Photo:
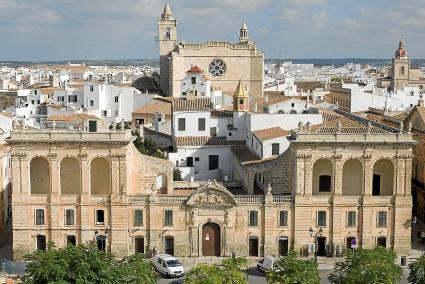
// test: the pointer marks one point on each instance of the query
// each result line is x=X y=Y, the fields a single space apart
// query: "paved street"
x=256 y=277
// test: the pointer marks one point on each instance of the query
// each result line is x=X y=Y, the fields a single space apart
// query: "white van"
x=168 y=265
x=266 y=264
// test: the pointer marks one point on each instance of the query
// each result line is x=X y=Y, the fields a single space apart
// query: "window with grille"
x=253 y=218
x=168 y=217
x=138 y=217
x=39 y=217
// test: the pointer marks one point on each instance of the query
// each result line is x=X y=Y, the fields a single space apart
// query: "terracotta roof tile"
x=206 y=141
x=157 y=105
x=195 y=69
x=197 y=104
x=72 y=117
x=270 y=133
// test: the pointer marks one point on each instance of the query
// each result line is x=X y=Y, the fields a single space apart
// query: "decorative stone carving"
x=114 y=126
x=227 y=221
x=300 y=126
x=211 y=194
x=338 y=127
x=401 y=127
x=193 y=219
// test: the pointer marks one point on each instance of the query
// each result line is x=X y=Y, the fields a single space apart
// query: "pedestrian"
x=414 y=221
x=418 y=235
x=153 y=251
x=422 y=237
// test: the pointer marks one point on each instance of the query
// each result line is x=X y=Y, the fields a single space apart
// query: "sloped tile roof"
x=196 y=104
x=157 y=105
x=270 y=133
x=206 y=141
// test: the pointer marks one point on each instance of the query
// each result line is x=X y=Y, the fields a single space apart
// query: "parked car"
x=168 y=265
x=266 y=264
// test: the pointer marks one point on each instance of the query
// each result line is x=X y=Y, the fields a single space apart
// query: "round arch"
x=322 y=176
x=70 y=176
x=211 y=245
x=39 y=176
x=161 y=182
x=352 y=177
x=383 y=177
x=100 y=176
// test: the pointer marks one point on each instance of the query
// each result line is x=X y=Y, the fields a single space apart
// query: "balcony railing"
x=249 y=199
x=172 y=199
x=283 y=199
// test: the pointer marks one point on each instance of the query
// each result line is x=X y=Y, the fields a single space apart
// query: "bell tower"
x=167 y=38
x=240 y=99
x=243 y=34
x=400 y=68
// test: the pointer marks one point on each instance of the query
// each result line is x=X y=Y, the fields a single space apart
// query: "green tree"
x=147 y=146
x=230 y=271
x=376 y=265
x=417 y=271
x=291 y=269
x=86 y=264
x=177 y=174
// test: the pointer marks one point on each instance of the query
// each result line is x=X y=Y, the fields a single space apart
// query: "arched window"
x=70 y=176
x=168 y=33
x=352 y=178
x=383 y=178
x=161 y=182
x=322 y=177
x=39 y=176
x=100 y=177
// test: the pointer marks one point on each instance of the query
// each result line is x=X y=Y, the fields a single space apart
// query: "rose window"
x=217 y=68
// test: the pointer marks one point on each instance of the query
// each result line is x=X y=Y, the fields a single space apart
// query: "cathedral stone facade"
x=225 y=63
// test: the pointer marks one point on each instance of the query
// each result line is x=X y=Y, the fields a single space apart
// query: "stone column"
x=115 y=175
x=400 y=175
x=123 y=174
x=307 y=171
x=408 y=174
x=337 y=171
x=268 y=217
x=54 y=174
x=366 y=219
x=152 y=220
x=84 y=209
x=16 y=174
x=25 y=174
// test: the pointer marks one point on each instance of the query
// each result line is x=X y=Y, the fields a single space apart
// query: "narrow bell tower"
x=240 y=99
x=167 y=38
x=243 y=34
x=400 y=71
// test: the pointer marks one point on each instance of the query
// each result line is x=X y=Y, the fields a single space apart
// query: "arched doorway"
x=211 y=239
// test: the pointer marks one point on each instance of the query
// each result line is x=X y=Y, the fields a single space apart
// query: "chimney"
x=141 y=133
x=156 y=121
x=255 y=107
x=266 y=98
x=421 y=101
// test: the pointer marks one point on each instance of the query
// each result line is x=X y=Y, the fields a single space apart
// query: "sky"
x=126 y=29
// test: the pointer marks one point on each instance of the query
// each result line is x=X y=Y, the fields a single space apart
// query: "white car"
x=266 y=264
x=168 y=265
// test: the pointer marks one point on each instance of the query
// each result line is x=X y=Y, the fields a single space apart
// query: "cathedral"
x=225 y=62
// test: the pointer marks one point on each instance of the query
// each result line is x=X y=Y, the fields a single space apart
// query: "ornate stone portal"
x=211 y=203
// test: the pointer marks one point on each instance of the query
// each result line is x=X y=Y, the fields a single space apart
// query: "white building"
x=113 y=103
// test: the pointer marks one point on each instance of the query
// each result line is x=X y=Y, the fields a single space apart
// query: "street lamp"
x=315 y=240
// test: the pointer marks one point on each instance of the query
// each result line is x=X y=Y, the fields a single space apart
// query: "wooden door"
x=211 y=240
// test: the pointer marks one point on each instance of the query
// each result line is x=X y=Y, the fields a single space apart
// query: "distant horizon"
x=46 y=30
